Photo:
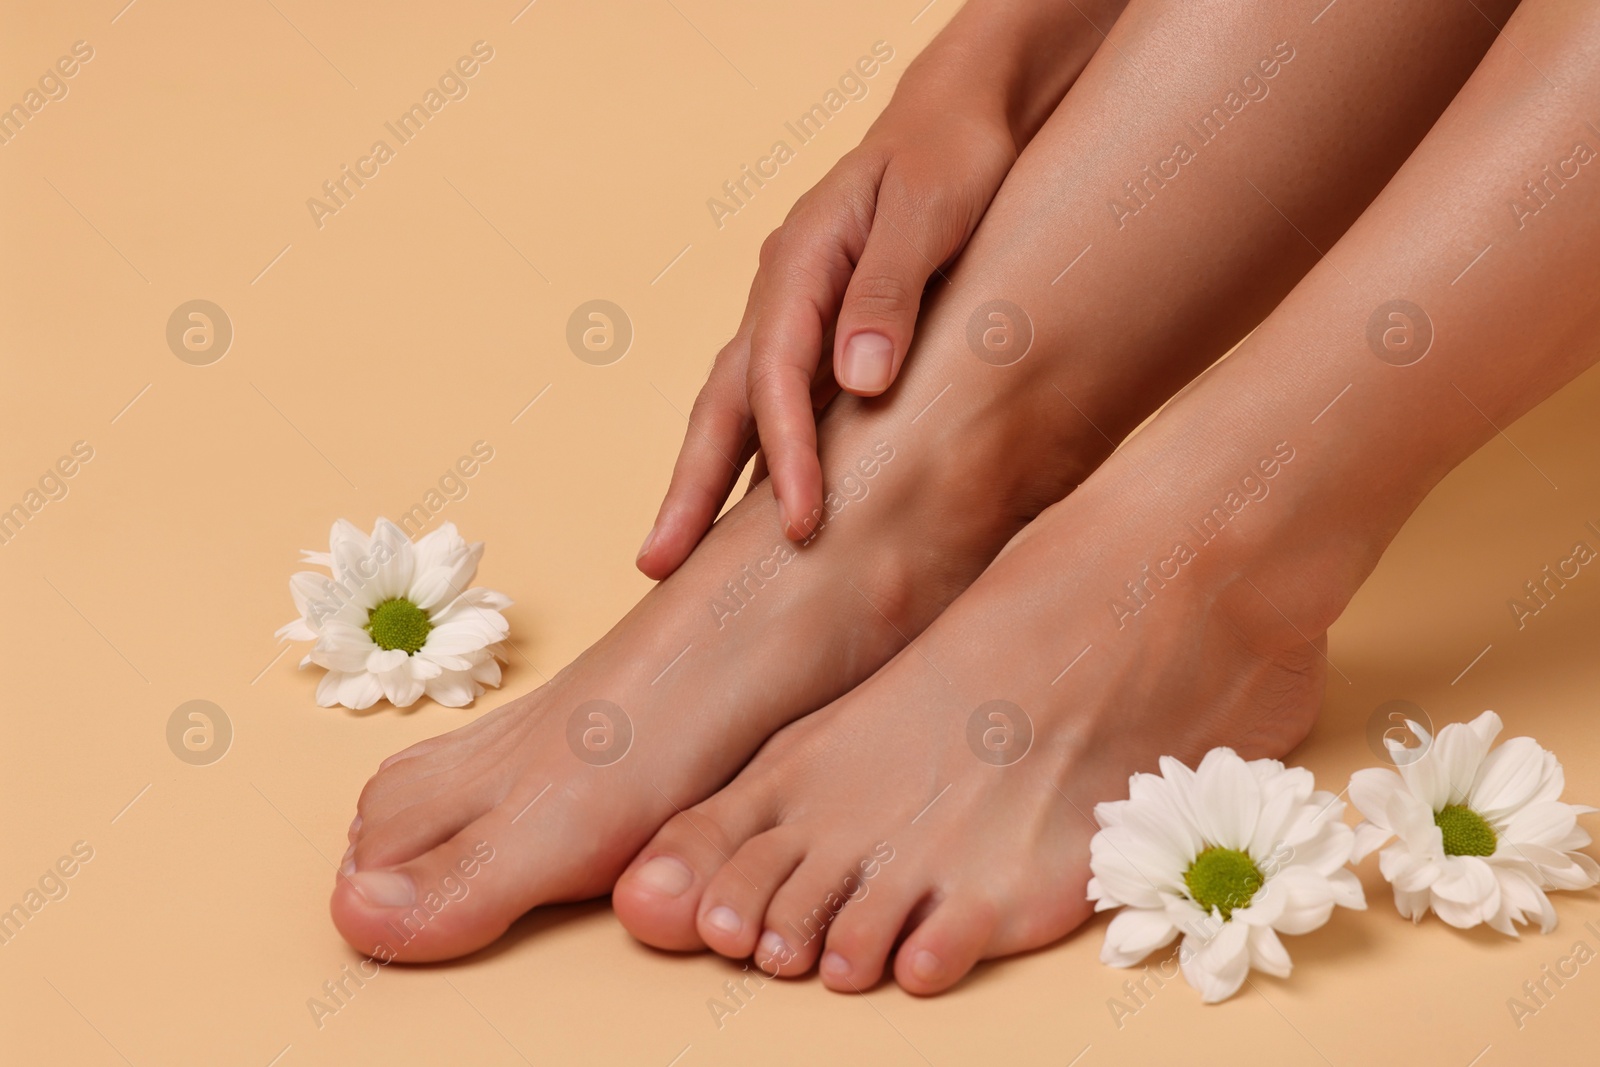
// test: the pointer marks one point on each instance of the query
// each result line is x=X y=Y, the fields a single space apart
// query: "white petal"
x=1217 y=968
x=474 y=601
x=446 y=579
x=328 y=689
x=1508 y=779
x=466 y=633
x=359 y=690
x=1369 y=838
x=1541 y=824
x=1306 y=899
x=383 y=660
x=297 y=630
x=1135 y=933
x=393 y=578
x=1117 y=876
x=1347 y=891
x=402 y=689
x=487 y=672
x=1267 y=953
x=452 y=689
x=1371 y=790
x=1227 y=799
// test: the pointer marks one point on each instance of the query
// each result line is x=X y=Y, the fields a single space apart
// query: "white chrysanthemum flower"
x=396 y=619
x=1481 y=833
x=1230 y=855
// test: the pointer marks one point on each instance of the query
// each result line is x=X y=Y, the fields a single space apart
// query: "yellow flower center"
x=398 y=623
x=1466 y=833
x=1223 y=879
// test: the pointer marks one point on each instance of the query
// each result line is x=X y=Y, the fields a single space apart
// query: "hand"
x=847 y=268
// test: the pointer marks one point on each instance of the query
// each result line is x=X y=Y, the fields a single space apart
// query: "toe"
x=945 y=945
x=864 y=932
x=801 y=912
x=450 y=900
x=657 y=898
x=735 y=902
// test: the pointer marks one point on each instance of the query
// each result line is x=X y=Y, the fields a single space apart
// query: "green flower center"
x=398 y=623
x=1224 y=879
x=1466 y=833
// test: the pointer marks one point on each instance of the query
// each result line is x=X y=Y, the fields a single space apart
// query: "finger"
x=910 y=238
x=785 y=350
x=701 y=479
x=716 y=444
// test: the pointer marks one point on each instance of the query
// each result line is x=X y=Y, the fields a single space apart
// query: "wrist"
x=1010 y=60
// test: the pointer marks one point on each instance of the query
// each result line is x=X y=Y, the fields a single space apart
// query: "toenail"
x=926 y=966
x=347 y=866
x=384 y=889
x=723 y=918
x=774 y=950
x=835 y=964
x=666 y=875
x=355 y=824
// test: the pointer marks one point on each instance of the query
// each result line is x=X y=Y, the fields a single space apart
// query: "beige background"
x=425 y=316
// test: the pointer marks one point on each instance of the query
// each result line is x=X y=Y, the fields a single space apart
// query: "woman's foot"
x=1178 y=600
x=1018 y=387
x=946 y=802
x=547 y=798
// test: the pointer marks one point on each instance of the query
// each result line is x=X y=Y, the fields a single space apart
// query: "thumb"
x=879 y=313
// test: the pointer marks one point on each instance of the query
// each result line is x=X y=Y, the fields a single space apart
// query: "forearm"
x=1013 y=59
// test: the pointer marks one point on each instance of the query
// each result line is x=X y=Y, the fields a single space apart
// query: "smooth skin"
x=1168 y=293
x=847 y=268
x=1231 y=648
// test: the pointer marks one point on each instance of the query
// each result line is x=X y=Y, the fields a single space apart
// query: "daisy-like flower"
x=1230 y=855
x=396 y=619
x=1481 y=833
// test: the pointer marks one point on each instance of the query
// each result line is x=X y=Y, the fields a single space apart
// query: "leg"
x=1179 y=599
x=766 y=632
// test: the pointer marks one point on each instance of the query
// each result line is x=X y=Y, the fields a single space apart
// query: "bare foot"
x=946 y=801
x=547 y=798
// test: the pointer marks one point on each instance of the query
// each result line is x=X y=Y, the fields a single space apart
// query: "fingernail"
x=649 y=537
x=384 y=889
x=347 y=866
x=773 y=949
x=723 y=918
x=355 y=824
x=666 y=875
x=926 y=966
x=866 y=363
x=835 y=964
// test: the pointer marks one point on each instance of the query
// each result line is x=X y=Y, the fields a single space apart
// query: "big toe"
x=451 y=900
